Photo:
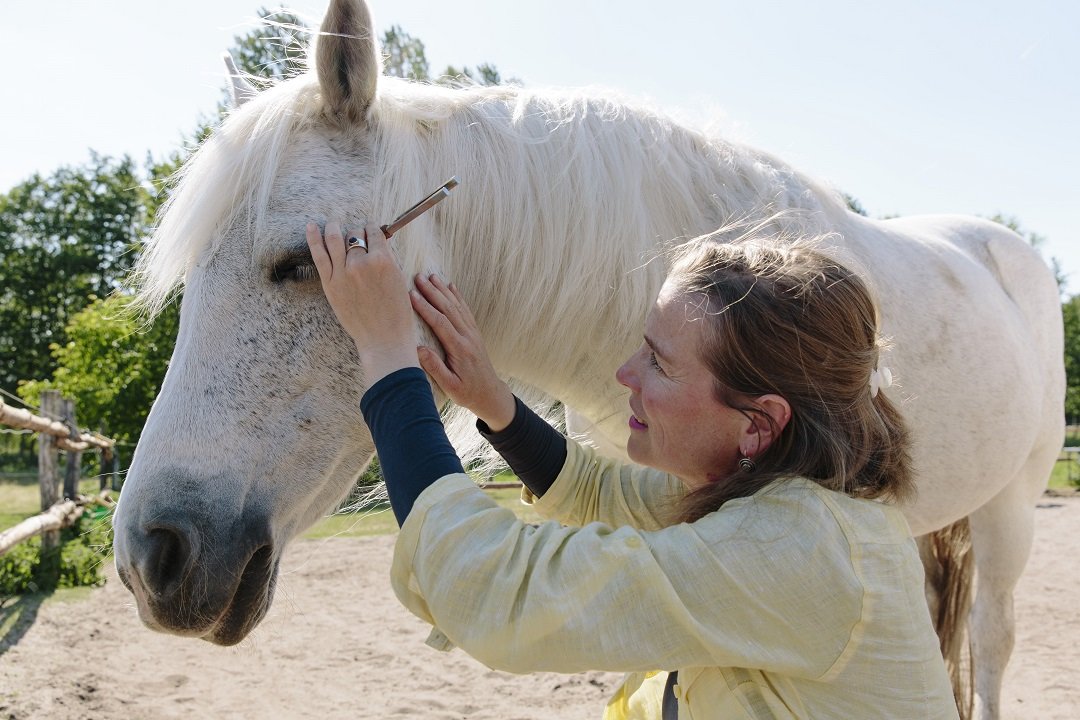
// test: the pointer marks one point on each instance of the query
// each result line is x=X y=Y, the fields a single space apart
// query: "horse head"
x=256 y=432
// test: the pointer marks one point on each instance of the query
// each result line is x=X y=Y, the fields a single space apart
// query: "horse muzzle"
x=191 y=580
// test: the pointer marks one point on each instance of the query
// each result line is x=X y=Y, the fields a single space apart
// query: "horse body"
x=553 y=238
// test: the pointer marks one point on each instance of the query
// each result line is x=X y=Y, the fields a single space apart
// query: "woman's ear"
x=772 y=417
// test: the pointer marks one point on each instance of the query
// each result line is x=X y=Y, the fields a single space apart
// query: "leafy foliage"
x=112 y=364
x=404 y=55
x=276 y=50
x=853 y=204
x=1071 y=315
x=484 y=74
x=62 y=239
x=78 y=561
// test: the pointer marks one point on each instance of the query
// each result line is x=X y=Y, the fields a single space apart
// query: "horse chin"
x=250 y=602
x=238 y=614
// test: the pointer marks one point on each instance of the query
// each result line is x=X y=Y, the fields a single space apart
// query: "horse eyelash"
x=299 y=272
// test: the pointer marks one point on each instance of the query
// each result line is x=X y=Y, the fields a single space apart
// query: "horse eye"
x=293 y=272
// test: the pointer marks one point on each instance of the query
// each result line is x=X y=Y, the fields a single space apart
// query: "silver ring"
x=355 y=242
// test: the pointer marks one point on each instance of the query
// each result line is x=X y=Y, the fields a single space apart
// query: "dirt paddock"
x=337 y=645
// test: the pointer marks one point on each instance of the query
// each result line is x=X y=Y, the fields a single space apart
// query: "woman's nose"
x=625 y=375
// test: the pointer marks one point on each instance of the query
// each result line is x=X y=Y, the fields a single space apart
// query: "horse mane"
x=580 y=187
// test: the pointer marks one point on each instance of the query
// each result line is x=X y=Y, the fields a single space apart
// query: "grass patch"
x=1066 y=466
x=11 y=519
x=380 y=519
x=21 y=498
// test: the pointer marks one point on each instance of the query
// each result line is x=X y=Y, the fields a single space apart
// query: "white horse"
x=257 y=432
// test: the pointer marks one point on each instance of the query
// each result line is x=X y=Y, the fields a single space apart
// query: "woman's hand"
x=369 y=295
x=466 y=375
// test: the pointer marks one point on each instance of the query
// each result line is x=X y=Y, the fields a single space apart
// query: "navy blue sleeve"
x=534 y=450
x=409 y=437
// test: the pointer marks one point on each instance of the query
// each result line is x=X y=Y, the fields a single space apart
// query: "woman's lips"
x=636 y=424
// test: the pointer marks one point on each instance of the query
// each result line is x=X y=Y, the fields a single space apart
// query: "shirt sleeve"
x=534 y=450
x=409 y=436
x=741 y=587
x=594 y=488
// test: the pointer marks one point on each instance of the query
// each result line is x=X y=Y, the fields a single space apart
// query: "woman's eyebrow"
x=660 y=352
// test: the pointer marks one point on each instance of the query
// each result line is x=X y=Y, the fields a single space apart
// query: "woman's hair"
x=782 y=318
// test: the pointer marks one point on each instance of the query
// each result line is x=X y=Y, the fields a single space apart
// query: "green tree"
x=276 y=49
x=1070 y=311
x=403 y=55
x=62 y=238
x=483 y=74
x=853 y=204
x=111 y=364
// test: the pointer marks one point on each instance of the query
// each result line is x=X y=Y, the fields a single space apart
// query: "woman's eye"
x=654 y=363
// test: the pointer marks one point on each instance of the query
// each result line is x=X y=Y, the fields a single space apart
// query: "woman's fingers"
x=335 y=244
x=446 y=322
x=377 y=243
x=434 y=366
x=433 y=295
x=442 y=327
x=440 y=296
x=318 y=250
x=374 y=234
x=448 y=301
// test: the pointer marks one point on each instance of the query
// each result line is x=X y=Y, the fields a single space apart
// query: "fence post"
x=106 y=461
x=74 y=457
x=47 y=460
x=114 y=469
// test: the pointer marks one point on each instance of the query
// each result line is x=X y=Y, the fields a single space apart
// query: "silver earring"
x=747 y=465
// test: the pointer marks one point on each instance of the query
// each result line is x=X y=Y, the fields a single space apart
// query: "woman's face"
x=677 y=423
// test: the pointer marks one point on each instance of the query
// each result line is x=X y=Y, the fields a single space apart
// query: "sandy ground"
x=337 y=645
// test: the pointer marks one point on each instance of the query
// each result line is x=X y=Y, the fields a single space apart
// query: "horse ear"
x=239 y=88
x=347 y=60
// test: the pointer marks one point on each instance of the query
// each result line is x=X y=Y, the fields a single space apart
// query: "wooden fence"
x=58 y=511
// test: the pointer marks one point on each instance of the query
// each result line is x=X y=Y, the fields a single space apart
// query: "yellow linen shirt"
x=798 y=602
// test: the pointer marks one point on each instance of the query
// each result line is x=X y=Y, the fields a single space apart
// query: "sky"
x=966 y=106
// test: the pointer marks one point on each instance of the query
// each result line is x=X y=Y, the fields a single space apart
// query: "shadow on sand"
x=17 y=616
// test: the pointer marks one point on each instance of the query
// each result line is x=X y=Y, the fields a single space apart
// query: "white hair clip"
x=880 y=379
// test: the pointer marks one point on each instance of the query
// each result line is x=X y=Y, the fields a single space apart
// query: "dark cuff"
x=409 y=437
x=534 y=450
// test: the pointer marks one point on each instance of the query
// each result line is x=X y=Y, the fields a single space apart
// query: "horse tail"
x=950 y=576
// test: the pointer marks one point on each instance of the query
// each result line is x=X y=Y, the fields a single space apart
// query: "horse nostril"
x=169 y=556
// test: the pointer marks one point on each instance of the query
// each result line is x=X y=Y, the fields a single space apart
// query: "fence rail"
x=58 y=512
x=19 y=418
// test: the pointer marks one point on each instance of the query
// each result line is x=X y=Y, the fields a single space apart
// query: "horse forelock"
x=228 y=177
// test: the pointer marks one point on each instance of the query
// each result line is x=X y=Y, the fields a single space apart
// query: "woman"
x=749 y=569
